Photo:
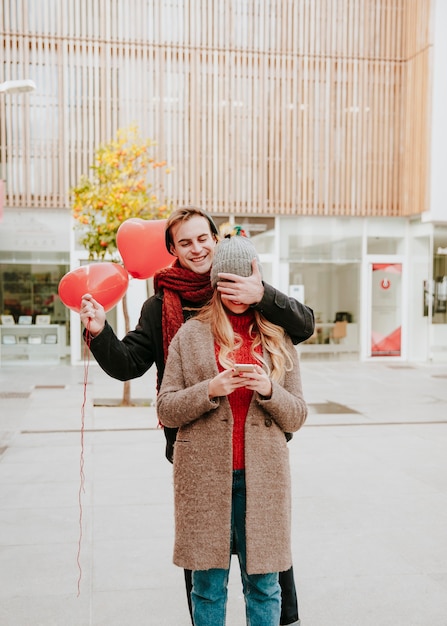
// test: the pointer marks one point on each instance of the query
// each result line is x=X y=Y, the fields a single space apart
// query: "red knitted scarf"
x=179 y=285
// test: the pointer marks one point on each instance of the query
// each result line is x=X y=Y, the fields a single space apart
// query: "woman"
x=231 y=470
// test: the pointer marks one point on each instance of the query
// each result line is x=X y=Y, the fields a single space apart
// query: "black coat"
x=132 y=356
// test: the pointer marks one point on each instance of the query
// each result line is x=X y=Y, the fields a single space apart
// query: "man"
x=180 y=291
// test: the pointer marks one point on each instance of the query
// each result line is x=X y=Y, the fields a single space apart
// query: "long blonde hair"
x=264 y=333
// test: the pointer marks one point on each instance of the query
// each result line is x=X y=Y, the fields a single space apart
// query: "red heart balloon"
x=106 y=282
x=141 y=244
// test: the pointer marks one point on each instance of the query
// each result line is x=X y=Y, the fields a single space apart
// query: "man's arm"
x=120 y=359
x=296 y=318
x=132 y=356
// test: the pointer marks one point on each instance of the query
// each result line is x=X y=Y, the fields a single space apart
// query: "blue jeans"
x=262 y=592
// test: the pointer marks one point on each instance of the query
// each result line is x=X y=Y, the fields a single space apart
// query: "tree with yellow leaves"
x=120 y=187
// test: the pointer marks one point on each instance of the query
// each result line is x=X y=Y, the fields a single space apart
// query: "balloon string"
x=86 y=358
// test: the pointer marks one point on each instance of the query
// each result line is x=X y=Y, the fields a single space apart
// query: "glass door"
x=386 y=310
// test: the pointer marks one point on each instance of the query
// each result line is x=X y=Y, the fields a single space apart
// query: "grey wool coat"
x=203 y=465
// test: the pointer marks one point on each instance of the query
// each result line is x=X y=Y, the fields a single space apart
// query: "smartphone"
x=244 y=367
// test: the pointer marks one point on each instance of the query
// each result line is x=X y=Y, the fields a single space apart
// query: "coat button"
x=268 y=422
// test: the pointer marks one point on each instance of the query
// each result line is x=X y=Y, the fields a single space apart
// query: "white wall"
x=29 y=230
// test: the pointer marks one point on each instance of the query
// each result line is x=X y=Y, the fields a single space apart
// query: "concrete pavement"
x=369 y=497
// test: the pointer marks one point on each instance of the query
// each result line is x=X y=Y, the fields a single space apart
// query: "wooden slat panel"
x=277 y=106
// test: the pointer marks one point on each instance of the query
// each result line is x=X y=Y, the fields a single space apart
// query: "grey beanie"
x=233 y=255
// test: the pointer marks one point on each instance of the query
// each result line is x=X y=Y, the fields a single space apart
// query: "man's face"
x=193 y=244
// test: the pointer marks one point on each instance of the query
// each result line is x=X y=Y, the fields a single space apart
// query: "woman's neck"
x=241 y=322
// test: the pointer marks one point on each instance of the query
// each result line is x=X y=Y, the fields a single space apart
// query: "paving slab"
x=86 y=499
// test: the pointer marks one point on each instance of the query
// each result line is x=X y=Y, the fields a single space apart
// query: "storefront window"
x=30 y=290
x=324 y=256
x=439 y=285
x=330 y=289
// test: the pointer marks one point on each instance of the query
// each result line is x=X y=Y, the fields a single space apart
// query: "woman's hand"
x=93 y=315
x=257 y=381
x=227 y=381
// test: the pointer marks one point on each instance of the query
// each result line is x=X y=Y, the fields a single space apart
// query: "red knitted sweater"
x=240 y=398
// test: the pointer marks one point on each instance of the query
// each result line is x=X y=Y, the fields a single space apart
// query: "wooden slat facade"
x=280 y=107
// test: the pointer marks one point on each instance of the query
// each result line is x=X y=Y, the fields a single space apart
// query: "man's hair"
x=183 y=214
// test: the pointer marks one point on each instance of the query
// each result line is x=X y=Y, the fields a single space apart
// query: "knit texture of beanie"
x=233 y=255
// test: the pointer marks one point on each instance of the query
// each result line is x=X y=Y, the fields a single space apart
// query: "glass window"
x=324 y=260
x=32 y=289
x=262 y=231
x=440 y=277
x=332 y=290
x=321 y=239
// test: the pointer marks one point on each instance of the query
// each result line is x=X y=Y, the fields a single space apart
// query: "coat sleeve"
x=296 y=318
x=178 y=403
x=132 y=356
x=286 y=405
